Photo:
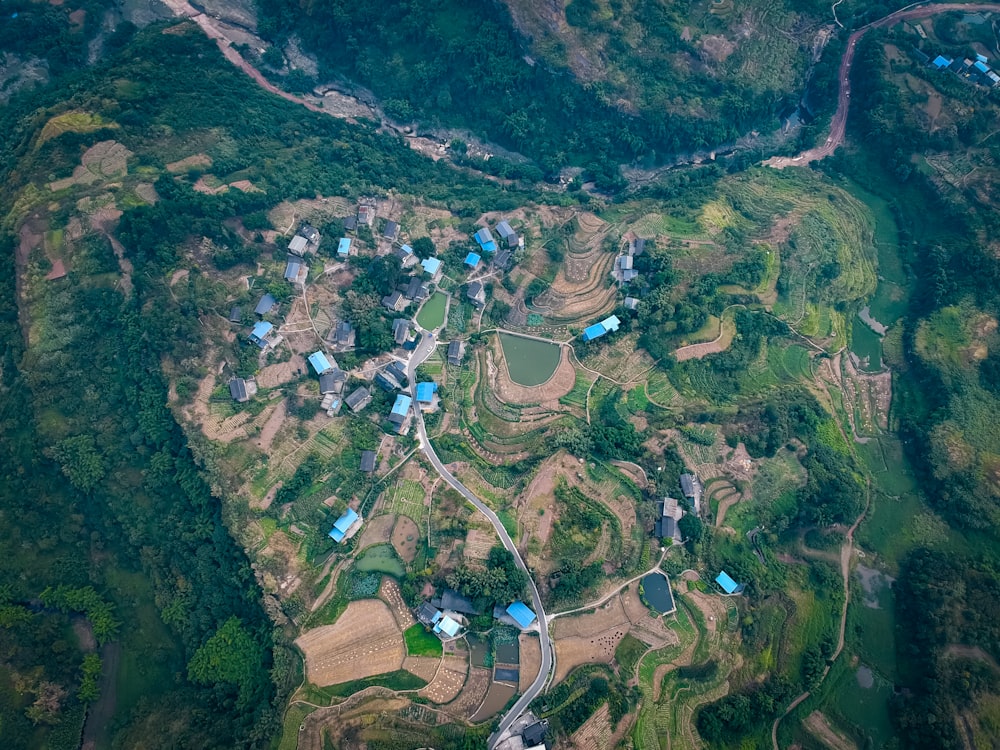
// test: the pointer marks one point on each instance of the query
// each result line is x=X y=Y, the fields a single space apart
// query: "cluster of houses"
x=448 y=615
x=672 y=510
x=975 y=71
x=623 y=271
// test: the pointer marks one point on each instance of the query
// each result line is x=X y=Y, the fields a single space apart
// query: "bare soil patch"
x=448 y=681
x=594 y=734
x=727 y=332
x=364 y=642
x=531 y=660
x=103 y=160
x=391 y=595
x=405 y=536
x=272 y=425
x=195 y=161
x=58 y=269
x=478 y=543
x=424 y=667
x=280 y=373
x=376 y=530
x=574 y=652
x=471 y=697
x=819 y=726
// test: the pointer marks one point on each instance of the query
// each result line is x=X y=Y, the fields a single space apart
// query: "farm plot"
x=376 y=531
x=448 y=681
x=364 y=642
x=405 y=536
x=588 y=638
x=391 y=595
x=478 y=543
x=406 y=497
x=472 y=695
x=530 y=658
x=424 y=667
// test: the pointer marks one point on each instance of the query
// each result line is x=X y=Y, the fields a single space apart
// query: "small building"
x=345 y=335
x=319 y=362
x=400 y=409
x=416 y=289
x=534 y=734
x=980 y=66
x=236 y=314
x=407 y=258
x=332 y=381
x=265 y=304
x=242 y=390
x=597 y=330
x=298 y=244
x=428 y=614
x=940 y=62
x=521 y=614
x=456 y=352
x=472 y=260
x=359 y=399
x=344 y=247
x=455 y=602
x=368 y=461
x=432 y=266
x=484 y=238
x=690 y=485
x=502 y=260
x=477 y=293
x=259 y=334
x=350 y=223
x=395 y=302
x=295 y=270
x=366 y=214
x=386 y=383
x=639 y=247
x=396 y=370
x=625 y=262
x=631 y=303
x=629 y=275
x=400 y=330
x=346 y=525
x=391 y=231
x=447 y=627
x=425 y=392
x=728 y=584
x=982 y=58
x=310 y=233
x=507 y=234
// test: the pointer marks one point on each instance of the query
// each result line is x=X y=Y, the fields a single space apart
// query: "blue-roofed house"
x=599 y=329
x=261 y=330
x=941 y=62
x=611 y=323
x=472 y=260
x=406 y=256
x=426 y=391
x=728 y=584
x=346 y=523
x=981 y=66
x=521 y=614
x=319 y=362
x=447 y=627
x=266 y=304
x=344 y=247
x=400 y=409
x=982 y=58
x=485 y=240
x=433 y=267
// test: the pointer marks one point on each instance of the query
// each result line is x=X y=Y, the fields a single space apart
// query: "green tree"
x=80 y=461
x=232 y=656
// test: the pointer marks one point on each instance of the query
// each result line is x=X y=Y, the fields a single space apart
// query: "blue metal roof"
x=982 y=58
x=611 y=323
x=344 y=247
x=489 y=247
x=941 y=62
x=472 y=259
x=426 y=391
x=483 y=236
x=343 y=524
x=981 y=66
x=319 y=362
x=431 y=265
x=407 y=249
x=521 y=614
x=261 y=329
x=593 y=332
x=727 y=583
x=448 y=626
x=402 y=405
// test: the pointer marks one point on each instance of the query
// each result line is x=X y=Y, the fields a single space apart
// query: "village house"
x=407 y=258
x=242 y=390
x=260 y=334
x=727 y=584
x=298 y=245
x=319 y=362
x=391 y=231
x=522 y=615
x=599 y=329
x=400 y=411
x=425 y=395
x=452 y=600
x=395 y=302
x=432 y=267
x=344 y=336
x=472 y=260
x=350 y=223
x=236 y=314
x=359 y=399
x=507 y=234
x=631 y=303
x=346 y=526
x=265 y=304
x=332 y=381
x=502 y=260
x=691 y=488
x=484 y=238
x=666 y=526
x=400 y=331
x=476 y=293
x=311 y=234
x=366 y=214
x=295 y=270
x=367 y=461
x=416 y=289
x=344 y=248
x=456 y=352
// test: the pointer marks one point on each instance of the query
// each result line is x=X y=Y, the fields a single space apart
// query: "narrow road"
x=423 y=350
x=617 y=590
x=838 y=125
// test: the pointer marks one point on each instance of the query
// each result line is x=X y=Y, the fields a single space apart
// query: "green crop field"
x=421 y=643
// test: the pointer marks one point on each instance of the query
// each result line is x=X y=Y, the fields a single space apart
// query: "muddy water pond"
x=497 y=697
x=529 y=362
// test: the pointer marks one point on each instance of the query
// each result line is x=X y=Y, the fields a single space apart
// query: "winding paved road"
x=423 y=350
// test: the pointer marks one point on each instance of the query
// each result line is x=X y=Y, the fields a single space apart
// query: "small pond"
x=480 y=650
x=656 y=590
x=497 y=697
x=381 y=558
x=507 y=653
x=529 y=362
x=431 y=315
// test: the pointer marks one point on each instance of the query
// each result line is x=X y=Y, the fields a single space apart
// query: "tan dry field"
x=531 y=660
x=365 y=641
x=391 y=595
x=589 y=638
x=546 y=394
x=448 y=681
x=102 y=161
x=472 y=695
x=478 y=543
x=405 y=536
x=286 y=216
x=273 y=424
x=594 y=734
x=376 y=530
x=196 y=161
x=424 y=667
x=280 y=373
x=727 y=332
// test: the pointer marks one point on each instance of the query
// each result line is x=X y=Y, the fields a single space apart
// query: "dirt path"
x=100 y=714
x=719 y=344
x=971 y=652
x=819 y=726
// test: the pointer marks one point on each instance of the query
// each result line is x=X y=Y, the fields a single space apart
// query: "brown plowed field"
x=448 y=681
x=377 y=530
x=391 y=595
x=424 y=667
x=472 y=694
x=574 y=652
x=531 y=660
x=365 y=641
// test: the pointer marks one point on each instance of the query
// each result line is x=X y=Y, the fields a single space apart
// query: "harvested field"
x=424 y=667
x=472 y=694
x=595 y=734
x=107 y=159
x=364 y=642
x=610 y=615
x=280 y=373
x=478 y=543
x=391 y=595
x=405 y=536
x=448 y=681
x=376 y=530
x=574 y=652
x=197 y=161
x=531 y=659
x=548 y=393
x=272 y=425
x=727 y=332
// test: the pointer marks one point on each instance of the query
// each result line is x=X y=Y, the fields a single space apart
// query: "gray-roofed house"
x=359 y=399
x=477 y=293
x=395 y=302
x=407 y=258
x=428 y=614
x=397 y=371
x=298 y=245
x=344 y=335
x=534 y=734
x=332 y=381
x=400 y=330
x=295 y=270
x=310 y=233
x=631 y=303
x=242 y=390
x=236 y=314
x=502 y=259
x=454 y=601
x=508 y=234
x=416 y=289
x=640 y=246
x=625 y=262
x=391 y=231
x=350 y=223
x=456 y=351
x=629 y=275
x=265 y=304
x=368 y=461
x=366 y=214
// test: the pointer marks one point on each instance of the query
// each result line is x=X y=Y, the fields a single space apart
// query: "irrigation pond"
x=381 y=558
x=529 y=361
x=656 y=591
x=431 y=315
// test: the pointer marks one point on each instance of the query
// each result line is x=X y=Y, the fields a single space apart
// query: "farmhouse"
x=265 y=305
x=391 y=231
x=425 y=393
x=366 y=214
x=507 y=234
x=691 y=487
x=728 y=584
x=344 y=336
x=332 y=381
x=359 y=399
x=259 y=334
x=400 y=330
x=428 y=614
x=295 y=270
x=447 y=627
x=416 y=289
x=298 y=245
x=534 y=734
x=346 y=526
x=631 y=303
x=472 y=260
x=599 y=329
x=400 y=409
x=344 y=247
x=319 y=362
x=502 y=259
x=452 y=600
x=368 y=461
x=639 y=246
x=310 y=233
x=456 y=351
x=406 y=256
x=484 y=238
x=350 y=223
x=667 y=525
x=395 y=302
x=432 y=266
x=236 y=314
x=396 y=370
x=521 y=614
x=242 y=390
x=476 y=293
